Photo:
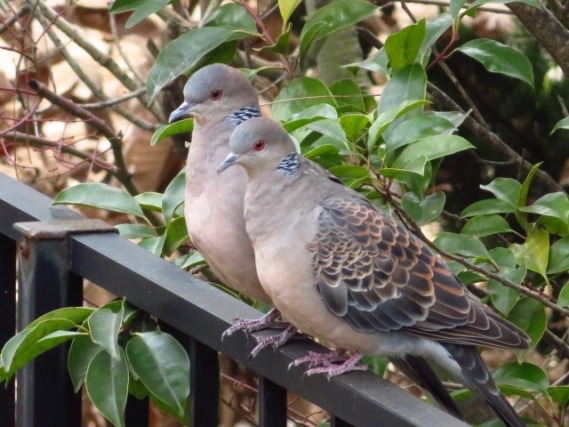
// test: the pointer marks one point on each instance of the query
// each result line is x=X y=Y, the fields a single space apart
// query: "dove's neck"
x=210 y=147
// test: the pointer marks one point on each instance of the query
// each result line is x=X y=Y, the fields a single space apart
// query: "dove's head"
x=213 y=92
x=258 y=144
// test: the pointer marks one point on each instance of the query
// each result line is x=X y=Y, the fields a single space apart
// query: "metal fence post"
x=7 y=320
x=45 y=394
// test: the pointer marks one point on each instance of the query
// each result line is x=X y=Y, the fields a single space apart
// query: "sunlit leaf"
x=529 y=315
x=403 y=46
x=182 y=126
x=426 y=210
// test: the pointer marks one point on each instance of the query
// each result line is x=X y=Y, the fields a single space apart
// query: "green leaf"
x=309 y=115
x=190 y=260
x=348 y=94
x=119 y=6
x=505 y=189
x=81 y=352
x=524 y=375
x=176 y=235
x=555 y=205
x=232 y=16
x=153 y=244
x=107 y=385
x=282 y=45
x=176 y=128
x=333 y=17
x=499 y=58
x=354 y=125
x=488 y=207
x=559 y=256
x=561 y=124
x=287 y=7
x=433 y=147
x=150 y=200
x=174 y=195
x=185 y=52
x=25 y=346
x=406 y=84
x=378 y=63
x=300 y=94
x=144 y=10
x=503 y=297
x=486 y=225
x=386 y=118
x=403 y=47
x=163 y=366
x=455 y=7
x=416 y=128
x=529 y=315
x=435 y=28
x=478 y=3
x=534 y=252
x=100 y=196
x=426 y=210
x=559 y=394
x=105 y=325
x=563 y=298
x=462 y=245
x=523 y=195
x=134 y=231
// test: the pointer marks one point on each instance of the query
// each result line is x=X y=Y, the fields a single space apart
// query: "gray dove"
x=220 y=98
x=339 y=268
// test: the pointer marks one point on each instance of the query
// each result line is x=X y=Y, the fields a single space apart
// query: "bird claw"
x=269 y=320
x=325 y=363
x=275 y=340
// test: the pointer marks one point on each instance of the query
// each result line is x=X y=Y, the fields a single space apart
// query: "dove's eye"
x=215 y=94
x=259 y=145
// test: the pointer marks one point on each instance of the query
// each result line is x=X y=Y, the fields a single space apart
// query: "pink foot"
x=275 y=340
x=269 y=320
x=325 y=363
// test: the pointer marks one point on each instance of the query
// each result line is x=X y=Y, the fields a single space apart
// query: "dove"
x=220 y=98
x=341 y=269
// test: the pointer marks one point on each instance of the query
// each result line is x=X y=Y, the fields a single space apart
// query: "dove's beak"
x=229 y=161
x=182 y=112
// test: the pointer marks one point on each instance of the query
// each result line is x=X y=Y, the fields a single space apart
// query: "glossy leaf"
x=105 y=325
x=287 y=7
x=534 y=252
x=426 y=210
x=163 y=366
x=309 y=115
x=174 y=195
x=462 y=245
x=333 y=17
x=406 y=84
x=300 y=94
x=433 y=147
x=144 y=10
x=478 y=3
x=524 y=375
x=559 y=256
x=555 y=205
x=435 y=28
x=418 y=128
x=499 y=58
x=559 y=394
x=529 y=315
x=150 y=200
x=505 y=298
x=486 y=225
x=100 y=196
x=185 y=52
x=106 y=383
x=134 y=231
x=176 y=235
x=176 y=128
x=377 y=63
x=348 y=94
x=563 y=299
x=232 y=16
x=561 y=124
x=488 y=207
x=403 y=47
x=81 y=353
x=505 y=189
x=354 y=125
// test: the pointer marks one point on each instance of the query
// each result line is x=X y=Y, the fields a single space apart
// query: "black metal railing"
x=55 y=257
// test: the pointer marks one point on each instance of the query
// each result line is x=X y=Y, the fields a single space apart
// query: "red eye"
x=259 y=145
x=215 y=94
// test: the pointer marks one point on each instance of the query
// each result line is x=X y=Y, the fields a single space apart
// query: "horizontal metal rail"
x=200 y=313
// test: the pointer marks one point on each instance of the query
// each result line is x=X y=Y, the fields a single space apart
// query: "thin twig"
x=101 y=126
x=25 y=9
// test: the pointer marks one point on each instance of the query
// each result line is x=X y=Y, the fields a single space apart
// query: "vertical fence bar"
x=45 y=394
x=204 y=385
x=272 y=404
x=136 y=412
x=7 y=320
